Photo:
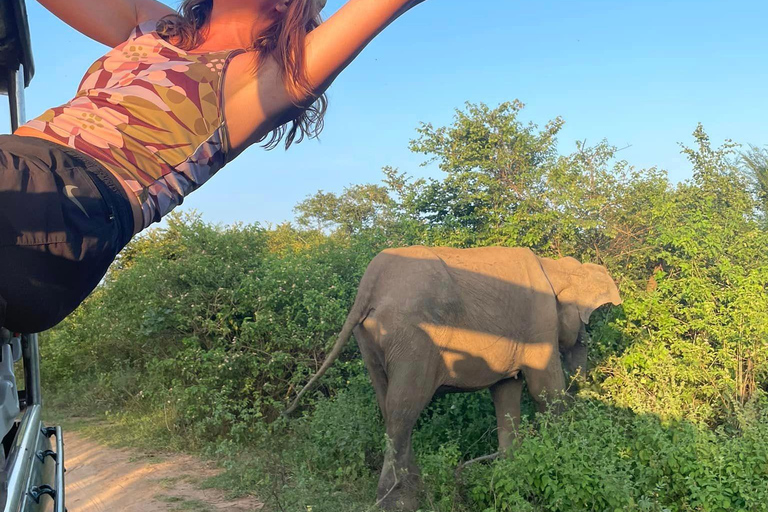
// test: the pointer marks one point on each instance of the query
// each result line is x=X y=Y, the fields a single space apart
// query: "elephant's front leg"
x=410 y=389
x=546 y=380
x=506 y=400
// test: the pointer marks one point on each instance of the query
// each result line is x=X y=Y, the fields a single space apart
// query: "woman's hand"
x=107 y=21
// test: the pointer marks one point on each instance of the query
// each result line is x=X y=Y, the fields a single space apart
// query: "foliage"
x=212 y=329
x=598 y=457
x=209 y=323
x=358 y=208
x=755 y=161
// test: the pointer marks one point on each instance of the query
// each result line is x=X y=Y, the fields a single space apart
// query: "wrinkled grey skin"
x=436 y=320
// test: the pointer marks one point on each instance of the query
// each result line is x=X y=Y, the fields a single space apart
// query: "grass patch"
x=192 y=506
x=181 y=503
x=168 y=499
x=170 y=482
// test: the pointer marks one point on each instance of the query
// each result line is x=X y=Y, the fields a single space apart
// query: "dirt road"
x=117 y=480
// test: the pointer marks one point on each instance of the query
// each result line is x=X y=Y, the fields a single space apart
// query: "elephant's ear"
x=586 y=286
x=596 y=288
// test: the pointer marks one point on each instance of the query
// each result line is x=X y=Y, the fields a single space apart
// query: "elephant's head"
x=580 y=290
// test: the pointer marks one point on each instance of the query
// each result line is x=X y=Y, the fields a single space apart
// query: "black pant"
x=63 y=219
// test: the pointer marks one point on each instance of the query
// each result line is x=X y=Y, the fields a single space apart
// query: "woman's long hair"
x=283 y=40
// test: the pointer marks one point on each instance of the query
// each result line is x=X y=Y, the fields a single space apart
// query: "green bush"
x=599 y=457
x=208 y=323
x=345 y=435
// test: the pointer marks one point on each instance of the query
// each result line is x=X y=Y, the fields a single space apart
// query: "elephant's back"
x=413 y=280
x=503 y=288
x=482 y=285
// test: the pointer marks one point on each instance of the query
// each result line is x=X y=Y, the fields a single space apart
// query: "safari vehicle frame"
x=31 y=473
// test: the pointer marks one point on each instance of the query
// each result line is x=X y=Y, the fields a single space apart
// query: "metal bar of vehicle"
x=16 y=60
x=31 y=472
x=16 y=98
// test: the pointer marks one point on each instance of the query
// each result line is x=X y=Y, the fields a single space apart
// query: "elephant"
x=436 y=320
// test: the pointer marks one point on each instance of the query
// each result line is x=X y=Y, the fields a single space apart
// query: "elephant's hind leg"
x=374 y=365
x=506 y=400
x=411 y=387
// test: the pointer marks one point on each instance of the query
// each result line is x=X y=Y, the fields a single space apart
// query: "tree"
x=493 y=164
x=755 y=162
x=358 y=207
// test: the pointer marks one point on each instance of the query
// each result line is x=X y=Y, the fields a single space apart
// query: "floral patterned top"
x=153 y=115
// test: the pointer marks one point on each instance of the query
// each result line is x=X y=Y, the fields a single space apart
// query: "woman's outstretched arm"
x=256 y=107
x=107 y=21
x=332 y=46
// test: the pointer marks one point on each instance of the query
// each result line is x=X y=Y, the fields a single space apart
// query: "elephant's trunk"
x=353 y=319
x=576 y=358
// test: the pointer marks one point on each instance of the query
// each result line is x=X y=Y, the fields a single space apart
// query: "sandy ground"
x=99 y=479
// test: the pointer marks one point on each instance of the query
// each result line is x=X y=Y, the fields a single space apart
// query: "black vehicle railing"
x=31 y=471
x=16 y=62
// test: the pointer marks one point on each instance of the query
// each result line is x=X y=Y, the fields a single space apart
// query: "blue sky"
x=639 y=73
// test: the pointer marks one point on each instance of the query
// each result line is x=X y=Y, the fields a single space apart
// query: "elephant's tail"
x=353 y=320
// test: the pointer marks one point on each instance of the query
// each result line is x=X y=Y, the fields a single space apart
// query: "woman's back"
x=152 y=114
